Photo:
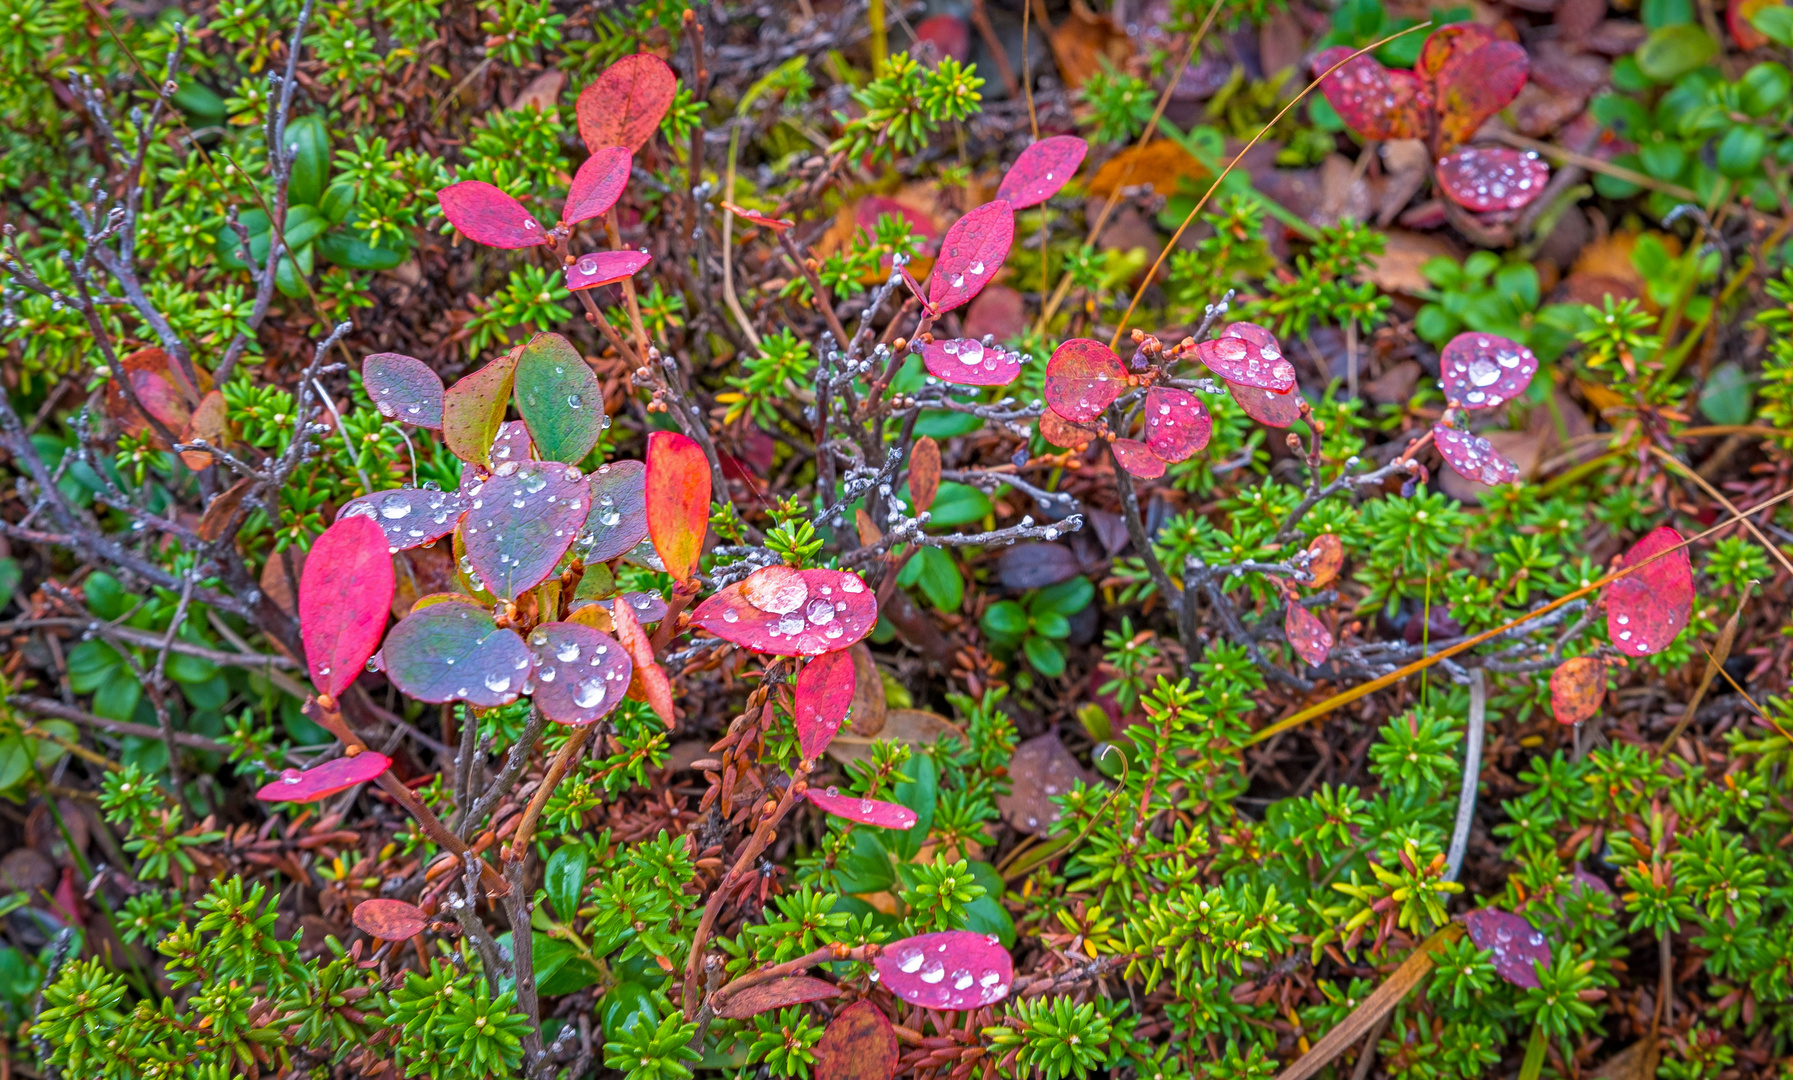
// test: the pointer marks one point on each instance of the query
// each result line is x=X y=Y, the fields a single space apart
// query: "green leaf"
x=943 y=424
x=1045 y=656
x=200 y=103
x=338 y=202
x=866 y=867
x=213 y=693
x=105 y=596
x=345 y=247
x=1050 y=624
x=91 y=664
x=933 y=570
x=957 y=504
x=986 y=915
x=918 y=795
x=311 y=168
x=1728 y=396
x=564 y=879
x=117 y=698
x=1763 y=88
x=559 y=399
x=1006 y=621
x=1776 y=23
x=1672 y=51
x=10 y=575
x=15 y=761
x=1065 y=598
x=48 y=753
x=1740 y=151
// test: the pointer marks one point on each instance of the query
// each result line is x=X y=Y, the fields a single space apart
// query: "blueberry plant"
x=639 y=541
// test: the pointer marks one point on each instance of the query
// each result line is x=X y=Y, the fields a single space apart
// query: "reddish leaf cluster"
x=1479 y=371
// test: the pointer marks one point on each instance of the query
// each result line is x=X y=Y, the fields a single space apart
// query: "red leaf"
x=617 y=520
x=1328 y=556
x=1372 y=100
x=323 y=781
x=858 y=1045
x=1480 y=371
x=777 y=994
x=580 y=673
x=409 y=517
x=1474 y=75
x=1646 y=609
x=832 y=610
x=403 y=388
x=970 y=255
x=948 y=33
x=597 y=185
x=1247 y=354
x=1177 y=423
x=1577 y=687
x=1497 y=179
x=1516 y=944
x=872 y=207
x=520 y=522
x=1275 y=410
x=1473 y=457
x=389 y=920
x=473 y=408
x=1060 y=432
x=1083 y=378
x=159 y=387
x=604 y=268
x=1041 y=170
x=1307 y=635
x=678 y=500
x=949 y=971
x=885 y=815
x=345 y=593
x=623 y=106
x=775 y=224
x=824 y=697
x=453 y=650
x=649 y=683
x=488 y=216
x=969 y=362
x=1137 y=458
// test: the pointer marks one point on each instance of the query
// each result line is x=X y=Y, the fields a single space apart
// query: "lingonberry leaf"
x=1474 y=457
x=647 y=607
x=624 y=105
x=949 y=971
x=1498 y=179
x=617 y=518
x=1577 y=687
x=924 y=473
x=1083 y=378
x=649 y=683
x=970 y=254
x=410 y=517
x=1480 y=371
x=1307 y=635
x=791 y=612
x=598 y=184
x=1515 y=943
x=1177 y=423
x=604 y=268
x=1474 y=75
x=1137 y=458
x=454 y=651
x=779 y=993
x=389 y=920
x=1327 y=557
x=858 y=1045
x=678 y=500
x=775 y=224
x=1645 y=609
x=580 y=675
x=1372 y=100
x=1274 y=410
x=345 y=593
x=323 y=781
x=559 y=399
x=885 y=815
x=1060 y=432
x=824 y=697
x=403 y=388
x=1041 y=170
x=520 y=522
x=1247 y=354
x=969 y=362
x=473 y=408
x=488 y=216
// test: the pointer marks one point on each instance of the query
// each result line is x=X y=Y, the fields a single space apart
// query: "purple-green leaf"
x=520 y=522
x=559 y=398
x=453 y=650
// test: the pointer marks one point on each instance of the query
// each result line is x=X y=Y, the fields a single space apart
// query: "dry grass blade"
x=1715 y=661
x=1379 y=1004
x=1674 y=463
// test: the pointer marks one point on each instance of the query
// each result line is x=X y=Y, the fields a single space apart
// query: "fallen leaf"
x=858 y=1045
x=1039 y=769
x=222 y=508
x=915 y=727
x=1577 y=687
x=777 y=994
x=1162 y=164
x=1083 y=41
x=543 y=91
x=867 y=714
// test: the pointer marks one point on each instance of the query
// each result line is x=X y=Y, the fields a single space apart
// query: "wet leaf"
x=598 y=184
x=969 y=362
x=1361 y=93
x=559 y=399
x=1492 y=179
x=777 y=994
x=825 y=694
x=604 y=268
x=650 y=683
x=1307 y=635
x=775 y=224
x=1036 y=565
x=1474 y=457
x=1482 y=371
x=1041 y=170
x=1137 y=458
x=409 y=517
x=1328 y=559
x=1177 y=423
x=1516 y=944
x=1083 y=378
x=473 y=408
x=884 y=815
x=323 y=781
x=580 y=674
x=1247 y=354
x=403 y=388
x=1646 y=609
x=344 y=594
x=970 y=255
x=512 y=444
x=858 y=1045
x=486 y=215
x=452 y=650
x=678 y=500
x=617 y=519
x=824 y=611
x=924 y=472
x=948 y=971
x=1474 y=75
x=647 y=607
x=519 y=523
x=1577 y=687
x=1060 y=432
x=624 y=105
x=1040 y=770
x=389 y=920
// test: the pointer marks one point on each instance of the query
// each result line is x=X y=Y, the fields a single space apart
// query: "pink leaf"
x=650 y=683
x=1646 y=609
x=969 y=362
x=520 y=523
x=623 y=106
x=948 y=33
x=1516 y=944
x=678 y=500
x=1480 y=371
x=833 y=610
x=775 y=224
x=604 y=268
x=389 y=920
x=1247 y=354
x=1473 y=457
x=955 y=970
x=403 y=388
x=1041 y=170
x=617 y=520
x=409 y=517
x=1137 y=458
x=488 y=216
x=885 y=815
x=453 y=650
x=1307 y=635
x=345 y=594
x=323 y=781
x=1177 y=423
x=1275 y=410
x=1372 y=100
x=1498 y=179
x=597 y=185
x=970 y=255
x=824 y=697
x=580 y=673
x=1083 y=378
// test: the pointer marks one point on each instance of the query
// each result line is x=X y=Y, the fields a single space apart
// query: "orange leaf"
x=648 y=682
x=924 y=472
x=678 y=500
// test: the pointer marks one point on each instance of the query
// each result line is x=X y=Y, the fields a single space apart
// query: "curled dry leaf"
x=625 y=104
x=1247 y=354
x=403 y=388
x=924 y=472
x=1083 y=378
x=649 y=683
x=1273 y=410
x=824 y=696
x=451 y=649
x=1177 y=423
x=580 y=674
x=969 y=362
x=678 y=500
x=1474 y=457
x=1577 y=687
x=1481 y=371
x=210 y=423
x=949 y=971
x=1307 y=635
x=1489 y=180
x=1137 y=458
x=520 y=522
x=777 y=994
x=970 y=254
x=344 y=596
x=222 y=509
x=885 y=815
x=598 y=184
x=617 y=520
x=486 y=215
x=1374 y=101
x=791 y=612
x=1328 y=557
x=473 y=408
x=323 y=781
x=559 y=399
x=1516 y=944
x=389 y=920
x=869 y=707
x=604 y=268
x=858 y=1045
x=1646 y=609
x=1041 y=170
x=409 y=517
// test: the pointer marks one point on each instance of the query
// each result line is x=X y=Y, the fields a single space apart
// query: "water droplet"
x=567 y=652
x=909 y=960
x=590 y=694
x=934 y=972
x=498 y=684
x=394 y=506
x=290 y=776
x=546 y=674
